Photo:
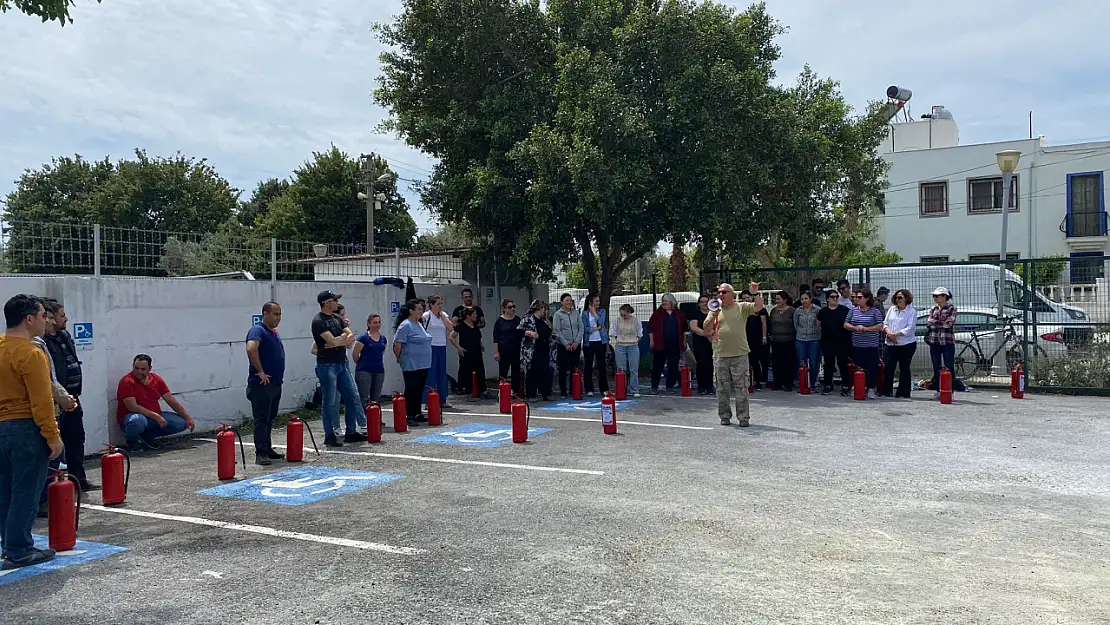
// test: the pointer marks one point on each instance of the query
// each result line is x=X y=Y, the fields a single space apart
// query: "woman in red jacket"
x=667 y=339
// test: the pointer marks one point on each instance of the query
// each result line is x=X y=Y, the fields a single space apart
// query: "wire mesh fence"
x=28 y=247
x=1054 y=317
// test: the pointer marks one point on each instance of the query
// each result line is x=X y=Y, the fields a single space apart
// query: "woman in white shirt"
x=439 y=325
x=900 y=332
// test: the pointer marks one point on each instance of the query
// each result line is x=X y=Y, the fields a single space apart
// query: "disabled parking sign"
x=81 y=553
x=301 y=486
x=476 y=435
x=585 y=406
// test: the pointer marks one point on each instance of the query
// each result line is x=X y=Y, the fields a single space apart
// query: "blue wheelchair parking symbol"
x=298 y=487
x=81 y=553
x=256 y=319
x=476 y=435
x=585 y=406
x=394 y=308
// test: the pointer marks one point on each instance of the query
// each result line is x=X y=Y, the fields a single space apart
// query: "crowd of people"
x=735 y=342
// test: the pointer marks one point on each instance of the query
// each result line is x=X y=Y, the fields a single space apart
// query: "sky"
x=255 y=86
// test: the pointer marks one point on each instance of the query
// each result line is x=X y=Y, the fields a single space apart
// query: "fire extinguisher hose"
x=527 y=405
x=242 y=453
x=127 y=469
x=311 y=437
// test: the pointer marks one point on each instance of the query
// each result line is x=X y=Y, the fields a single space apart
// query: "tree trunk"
x=677 y=271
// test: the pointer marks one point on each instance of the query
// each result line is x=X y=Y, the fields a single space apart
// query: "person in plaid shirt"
x=941 y=335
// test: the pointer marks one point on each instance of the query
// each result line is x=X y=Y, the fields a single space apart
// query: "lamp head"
x=1008 y=160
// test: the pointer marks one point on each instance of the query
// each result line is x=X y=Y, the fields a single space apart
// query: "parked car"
x=976 y=287
x=976 y=329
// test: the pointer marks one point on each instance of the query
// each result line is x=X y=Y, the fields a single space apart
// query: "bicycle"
x=969 y=354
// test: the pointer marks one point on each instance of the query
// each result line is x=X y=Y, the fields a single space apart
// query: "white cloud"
x=256 y=86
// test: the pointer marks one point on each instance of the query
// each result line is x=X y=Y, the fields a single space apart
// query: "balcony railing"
x=1084 y=225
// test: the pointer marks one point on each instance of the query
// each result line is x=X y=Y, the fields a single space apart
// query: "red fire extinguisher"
x=576 y=385
x=619 y=381
x=522 y=413
x=504 y=396
x=225 y=452
x=62 y=497
x=474 y=385
x=400 y=413
x=882 y=375
x=686 y=392
x=751 y=381
x=945 y=386
x=373 y=422
x=859 y=385
x=609 y=414
x=435 y=410
x=294 y=440
x=115 y=474
x=803 y=378
x=1017 y=382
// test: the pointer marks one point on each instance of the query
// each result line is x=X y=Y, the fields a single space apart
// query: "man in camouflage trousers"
x=727 y=331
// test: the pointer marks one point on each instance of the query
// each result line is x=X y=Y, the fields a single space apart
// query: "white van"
x=976 y=286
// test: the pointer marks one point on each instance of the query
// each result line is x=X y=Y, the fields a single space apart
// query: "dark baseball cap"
x=324 y=296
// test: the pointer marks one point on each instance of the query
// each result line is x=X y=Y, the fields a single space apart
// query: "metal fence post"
x=273 y=269
x=96 y=250
x=397 y=260
x=654 y=300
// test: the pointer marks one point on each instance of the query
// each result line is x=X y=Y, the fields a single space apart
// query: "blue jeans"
x=437 y=375
x=136 y=425
x=628 y=359
x=810 y=351
x=23 y=460
x=947 y=353
x=335 y=380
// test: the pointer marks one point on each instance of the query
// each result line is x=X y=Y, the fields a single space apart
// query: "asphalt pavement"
x=825 y=510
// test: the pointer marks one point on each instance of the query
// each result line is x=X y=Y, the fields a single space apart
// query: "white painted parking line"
x=580 y=419
x=266 y=531
x=480 y=463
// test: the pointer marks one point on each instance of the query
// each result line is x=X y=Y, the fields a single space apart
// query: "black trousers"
x=836 y=356
x=667 y=356
x=414 y=390
x=508 y=368
x=784 y=360
x=758 y=359
x=703 y=353
x=595 y=357
x=539 y=374
x=898 y=356
x=73 y=437
x=264 y=409
x=567 y=362
x=469 y=364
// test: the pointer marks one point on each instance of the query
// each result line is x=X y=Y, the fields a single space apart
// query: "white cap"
x=942 y=291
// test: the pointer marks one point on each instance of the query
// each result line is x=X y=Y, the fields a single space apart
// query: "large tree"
x=139 y=203
x=321 y=205
x=48 y=10
x=585 y=129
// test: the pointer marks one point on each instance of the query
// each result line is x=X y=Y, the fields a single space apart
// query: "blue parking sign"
x=256 y=319
x=394 y=308
x=585 y=406
x=301 y=486
x=476 y=435
x=83 y=335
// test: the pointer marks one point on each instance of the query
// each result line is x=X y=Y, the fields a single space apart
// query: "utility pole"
x=366 y=166
x=1007 y=163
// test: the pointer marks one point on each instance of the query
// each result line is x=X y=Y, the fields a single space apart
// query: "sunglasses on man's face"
x=723 y=292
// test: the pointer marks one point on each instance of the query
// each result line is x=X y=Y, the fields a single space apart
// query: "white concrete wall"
x=194 y=331
x=1033 y=230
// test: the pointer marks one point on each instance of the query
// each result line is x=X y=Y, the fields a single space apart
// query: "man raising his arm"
x=727 y=330
x=29 y=436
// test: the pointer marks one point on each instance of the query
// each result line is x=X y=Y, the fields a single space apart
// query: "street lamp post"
x=1007 y=163
x=373 y=200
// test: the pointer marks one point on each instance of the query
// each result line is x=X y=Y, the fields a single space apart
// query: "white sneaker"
x=871 y=394
x=936 y=396
x=635 y=394
x=590 y=394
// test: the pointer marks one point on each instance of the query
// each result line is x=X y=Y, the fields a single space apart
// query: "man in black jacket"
x=67 y=367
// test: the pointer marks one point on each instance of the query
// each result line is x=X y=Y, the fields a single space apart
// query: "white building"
x=944 y=200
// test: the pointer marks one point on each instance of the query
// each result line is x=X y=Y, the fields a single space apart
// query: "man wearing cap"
x=727 y=330
x=333 y=373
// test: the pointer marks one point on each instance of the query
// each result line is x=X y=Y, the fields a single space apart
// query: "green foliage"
x=873 y=255
x=577 y=278
x=1046 y=270
x=231 y=248
x=1084 y=367
x=592 y=130
x=257 y=207
x=48 y=10
x=321 y=204
x=447 y=237
x=141 y=202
